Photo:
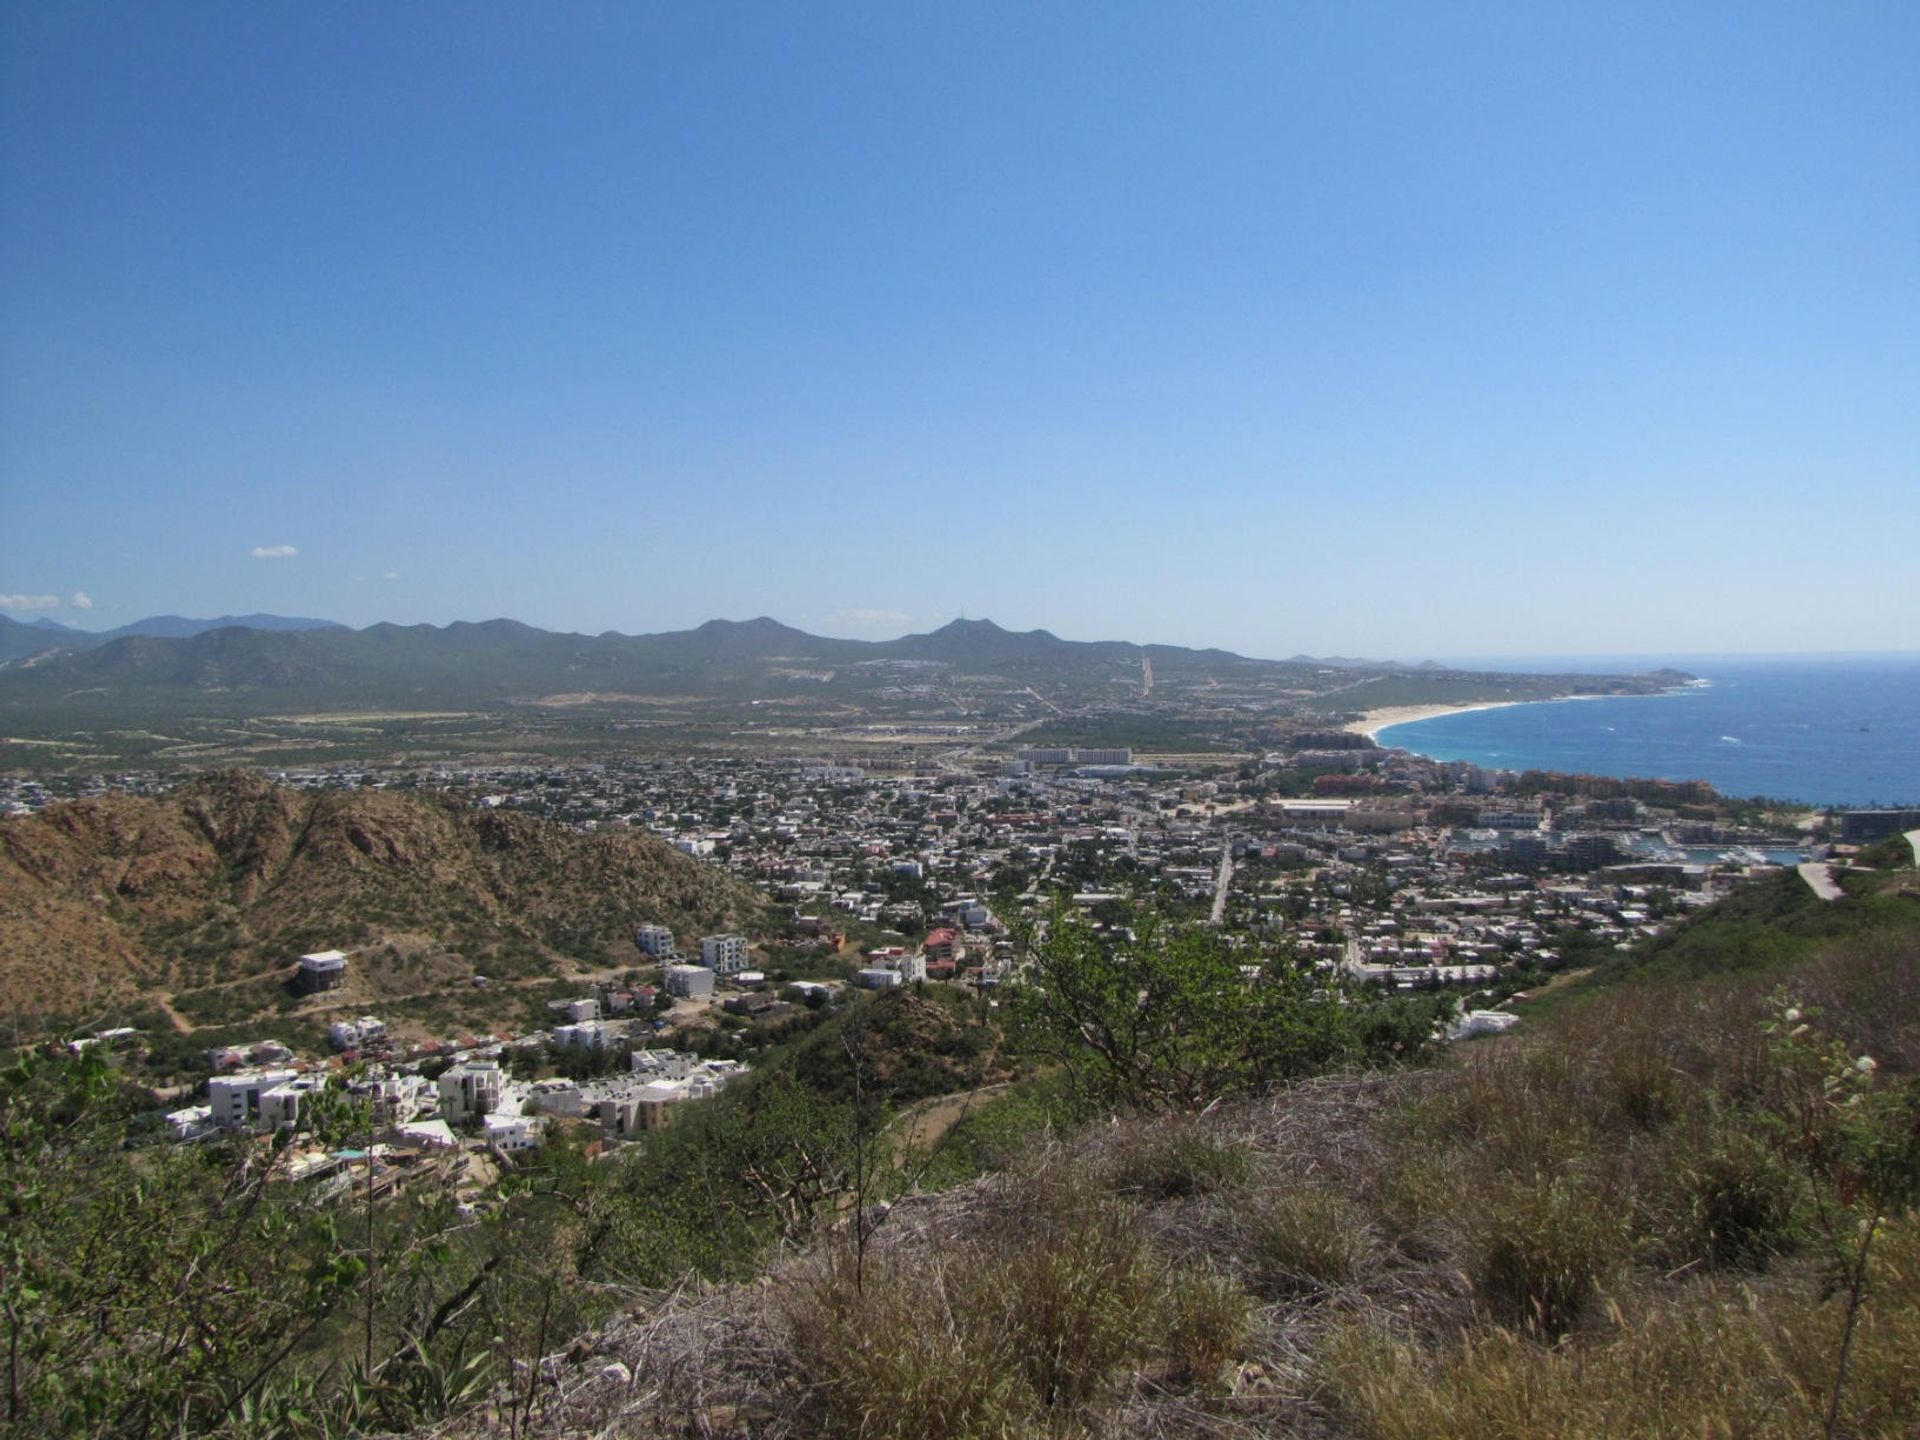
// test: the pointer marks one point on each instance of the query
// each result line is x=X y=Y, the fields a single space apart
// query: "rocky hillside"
x=231 y=878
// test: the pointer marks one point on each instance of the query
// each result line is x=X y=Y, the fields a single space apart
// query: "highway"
x=1221 y=884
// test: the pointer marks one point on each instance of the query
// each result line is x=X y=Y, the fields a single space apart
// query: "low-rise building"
x=724 y=954
x=234 y=1100
x=356 y=1034
x=654 y=940
x=280 y=1107
x=470 y=1090
x=322 y=970
x=510 y=1134
x=688 y=982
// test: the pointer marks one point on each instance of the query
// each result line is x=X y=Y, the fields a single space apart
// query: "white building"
x=323 y=970
x=688 y=982
x=356 y=1034
x=587 y=1035
x=512 y=1133
x=724 y=954
x=190 y=1123
x=662 y=1064
x=396 y=1099
x=654 y=1101
x=280 y=1107
x=470 y=1090
x=878 y=977
x=234 y=1100
x=654 y=940
x=434 y=1134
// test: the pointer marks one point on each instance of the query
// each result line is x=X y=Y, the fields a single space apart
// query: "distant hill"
x=231 y=878
x=179 y=627
x=20 y=640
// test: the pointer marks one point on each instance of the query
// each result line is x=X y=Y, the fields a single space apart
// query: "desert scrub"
x=1545 y=1244
x=1305 y=1238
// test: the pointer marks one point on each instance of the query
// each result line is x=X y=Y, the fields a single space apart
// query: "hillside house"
x=322 y=970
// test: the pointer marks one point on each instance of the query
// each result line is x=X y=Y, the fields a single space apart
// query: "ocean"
x=1821 y=730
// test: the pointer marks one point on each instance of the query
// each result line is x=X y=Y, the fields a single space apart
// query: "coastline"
x=1374 y=721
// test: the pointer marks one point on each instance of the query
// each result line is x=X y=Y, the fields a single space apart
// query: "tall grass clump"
x=1304 y=1238
x=1024 y=1323
x=889 y=1355
x=1741 y=1202
x=1075 y=1293
x=1176 y=1159
x=1546 y=1243
x=1202 y=1324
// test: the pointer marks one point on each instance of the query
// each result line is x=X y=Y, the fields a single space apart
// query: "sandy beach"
x=1374 y=721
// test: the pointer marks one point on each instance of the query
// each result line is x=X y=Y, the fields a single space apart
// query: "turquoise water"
x=1841 y=730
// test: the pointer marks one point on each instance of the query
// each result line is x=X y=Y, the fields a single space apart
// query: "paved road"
x=1819 y=878
x=1220 y=885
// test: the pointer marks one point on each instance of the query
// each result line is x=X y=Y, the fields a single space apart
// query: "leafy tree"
x=1176 y=1017
x=150 y=1290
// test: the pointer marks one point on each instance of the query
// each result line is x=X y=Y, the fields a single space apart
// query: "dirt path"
x=921 y=1125
x=1559 y=982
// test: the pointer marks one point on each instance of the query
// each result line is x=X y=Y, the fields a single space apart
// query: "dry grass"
x=1712 y=1359
x=1176 y=1158
x=1306 y=1238
x=1584 y=1232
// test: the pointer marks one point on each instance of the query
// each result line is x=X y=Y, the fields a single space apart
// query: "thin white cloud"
x=29 y=602
x=391 y=575
x=870 y=619
x=274 y=552
x=81 y=600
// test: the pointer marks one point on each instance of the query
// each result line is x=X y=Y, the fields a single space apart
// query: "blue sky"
x=1359 y=328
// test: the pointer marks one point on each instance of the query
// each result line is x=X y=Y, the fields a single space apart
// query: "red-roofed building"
x=944 y=944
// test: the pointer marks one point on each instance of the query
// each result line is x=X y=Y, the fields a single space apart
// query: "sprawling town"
x=1374 y=865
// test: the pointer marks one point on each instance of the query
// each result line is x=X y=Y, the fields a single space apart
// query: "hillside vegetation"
x=1682 y=1207
x=1242 y=1204
x=226 y=881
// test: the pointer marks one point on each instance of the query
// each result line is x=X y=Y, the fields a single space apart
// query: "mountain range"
x=263 y=664
x=20 y=640
x=503 y=659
